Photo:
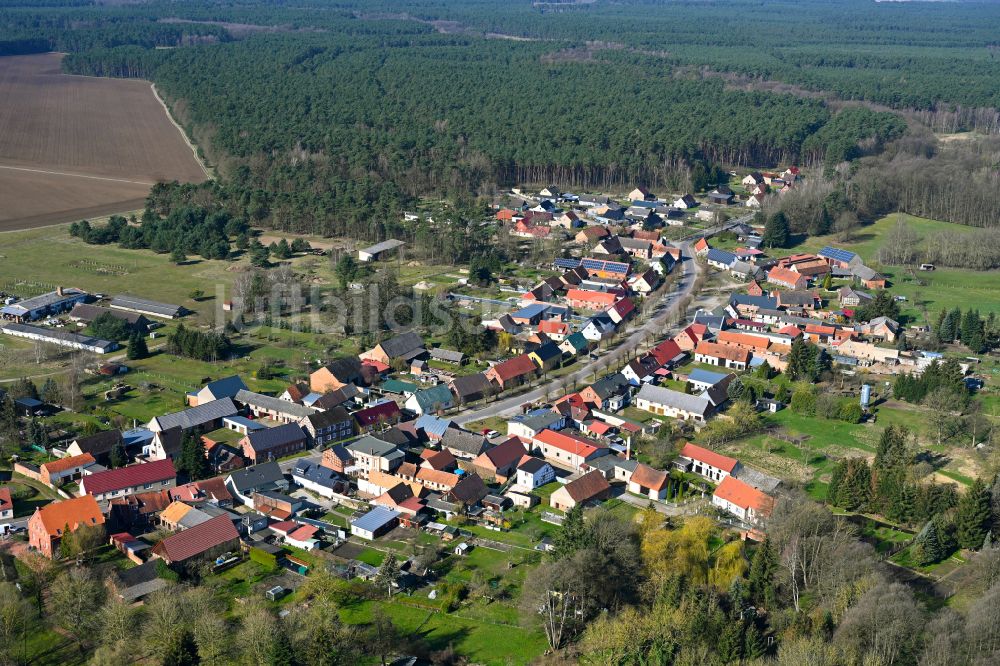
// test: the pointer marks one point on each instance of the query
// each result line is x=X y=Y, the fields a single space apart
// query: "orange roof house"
x=744 y=340
x=787 y=278
x=709 y=464
x=742 y=500
x=6 y=503
x=590 y=300
x=46 y=527
x=722 y=355
x=70 y=467
x=702 y=246
x=689 y=338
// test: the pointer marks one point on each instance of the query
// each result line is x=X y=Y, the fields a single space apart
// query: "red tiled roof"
x=588 y=486
x=502 y=455
x=647 y=477
x=743 y=495
x=6 y=503
x=717 y=460
x=623 y=307
x=791 y=330
x=128 y=477
x=514 y=367
x=568 y=443
x=745 y=340
x=784 y=276
x=737 y=354
x=197 y=540
x=303 y=533
x=665 y=351
x=551 y=326
x=599 y=298
x=599 y=427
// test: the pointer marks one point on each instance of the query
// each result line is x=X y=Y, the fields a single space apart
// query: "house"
x=621 y=310
x=685 y=201
x=213 y=491
x=720 y=259
x=708 y=464
x=337 y=458
x=589 y=487
x=273 y=443
x=46 y=525
x=372 y=454
x=528 y=425
x=203 y=418
x=547 y=356
x=640 y=370
x=605 y=268
x=276 y=505
x=227 y=387
x=701 y=246
x=649 y=482
x=380 y=250
x=721 y=198
x=591 y=234
x=598 y=328
x=500 y=462
x=470 y=387
x=868 y=277
x=667 y=352
x=332 y=425
x=880 y=327
x=166 y=444
x=756 y=344
x=98 y=445
x=802 y=300
x=245 y=483
x=752 y=180
x=463 y=443
x=646 y=282
x=6 y=504
x=317 y=478
x=868 y=354
x=447 y=356
x=431 y=400
x=755 y=200
x=852 y=298
x=839 y=258
x=378 y=416
x=203 y=541
x=406 y=346
x=375 y=523
x=336 y=375
x=641 y=194
x=533 y=473
x=742 y=500
x=139 y=510
x=567 y=450
x=787 y=278
x=512 y=372
x=725 y=356
x=57 y=472
x=610 y=392
x=668 y=402
x=179 y=516
x=269 y=407
x=106 y=485
x=574 y=344
x=702 y=380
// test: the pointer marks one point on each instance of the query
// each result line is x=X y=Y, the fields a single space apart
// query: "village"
x=389 y=453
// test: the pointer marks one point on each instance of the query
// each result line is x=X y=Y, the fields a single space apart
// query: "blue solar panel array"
x=837 y=254
x=566 y=263
x=602 y=265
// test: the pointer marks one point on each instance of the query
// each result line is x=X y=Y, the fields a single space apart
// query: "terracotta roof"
x=743 y=495
x=599 y=298
x=820 y=329
x=647 y=477
x=551 y=326
x=6 y=503
x=213 y=489
x=514 y=367
x=438 y=459
x=175 y=512
x=128 y=477
x=502 y=455
x=68 y=462
x=717 y=460
x=588 y=486
x=784 y=276
x=568 y=443
x=722 y=351
x=73 y=512
x=146 y=503
x=304 y=533
x=437 y=476
x=197 y=540
x=743 y=340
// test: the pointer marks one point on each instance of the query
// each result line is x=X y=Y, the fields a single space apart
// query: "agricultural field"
x=74 y=146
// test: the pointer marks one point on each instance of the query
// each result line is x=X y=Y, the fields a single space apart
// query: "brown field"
x=75 y=146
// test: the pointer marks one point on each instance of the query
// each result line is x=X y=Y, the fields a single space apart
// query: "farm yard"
x=73 y=146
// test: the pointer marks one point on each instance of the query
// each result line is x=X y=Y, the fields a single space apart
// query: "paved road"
x=654 y=325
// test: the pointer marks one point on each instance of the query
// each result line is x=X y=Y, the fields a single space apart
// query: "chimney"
x=59 y=291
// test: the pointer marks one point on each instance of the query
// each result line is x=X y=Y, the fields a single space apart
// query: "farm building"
x=146 y=307
x=375 y=523
x=61 y=338
x=379 y=250
x=36 y=307
x=85 y=314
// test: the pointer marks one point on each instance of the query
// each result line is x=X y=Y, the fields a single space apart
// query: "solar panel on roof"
x=566 y=263
x=837 y=253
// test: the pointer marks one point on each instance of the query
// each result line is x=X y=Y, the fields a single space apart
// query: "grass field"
x=75 y=146
x=944 y=287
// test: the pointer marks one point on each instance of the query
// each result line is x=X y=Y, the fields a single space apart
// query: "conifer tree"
x=973 y=516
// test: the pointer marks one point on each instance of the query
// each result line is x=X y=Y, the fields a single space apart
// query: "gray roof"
x=402 y=345
x=758 y=301
x=375 y=519
x=609 y=462
x=372 y=446
x=538 y=420
x=196 y=416
x=313 y=472
x=274 y=404
x=384 y=246
x=42 y=301
x=721 y=256
x=470 y=384
x=329 y=417
x=269 y=438
x=57 y=336
x=664 y=396
x=126 y=302
x=863 y=272
x=448 y=355
x=227 y=387
x=463 y=440
x=88 y=313
x=256 y=476
x=757 y=479
x=610 y=385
